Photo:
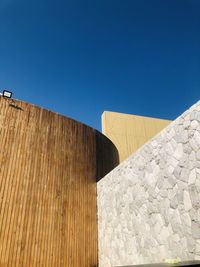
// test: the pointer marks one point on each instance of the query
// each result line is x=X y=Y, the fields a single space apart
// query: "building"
x=65 y=201
x=129 y=132
x=49 y=165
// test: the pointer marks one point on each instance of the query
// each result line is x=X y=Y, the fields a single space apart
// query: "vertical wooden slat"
x=19 y=152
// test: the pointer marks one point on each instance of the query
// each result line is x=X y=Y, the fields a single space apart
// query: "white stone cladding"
x=149 y=206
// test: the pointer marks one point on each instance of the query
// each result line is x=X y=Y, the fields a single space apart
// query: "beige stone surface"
x=149 y=205
x=129 y=132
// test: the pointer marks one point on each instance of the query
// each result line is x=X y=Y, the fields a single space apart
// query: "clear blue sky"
x=81 y=57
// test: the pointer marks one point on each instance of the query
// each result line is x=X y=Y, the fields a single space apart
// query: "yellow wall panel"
x=129 y=132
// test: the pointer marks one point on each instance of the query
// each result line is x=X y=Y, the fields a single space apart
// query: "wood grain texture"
x=49 y=165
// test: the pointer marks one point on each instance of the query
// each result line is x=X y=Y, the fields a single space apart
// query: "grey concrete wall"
x=149 y=206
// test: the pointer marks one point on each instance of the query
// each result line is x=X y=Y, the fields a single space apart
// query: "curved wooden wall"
x=49 y=165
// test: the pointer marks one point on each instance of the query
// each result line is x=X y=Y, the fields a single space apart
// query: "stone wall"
x=149 y=206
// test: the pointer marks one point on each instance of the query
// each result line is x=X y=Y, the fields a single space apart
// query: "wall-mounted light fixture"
x=7 y=94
